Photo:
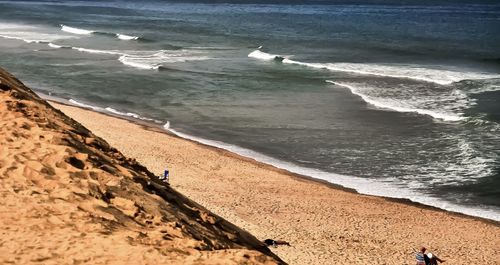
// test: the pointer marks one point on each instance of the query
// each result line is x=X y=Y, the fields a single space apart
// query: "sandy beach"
x=324 y=224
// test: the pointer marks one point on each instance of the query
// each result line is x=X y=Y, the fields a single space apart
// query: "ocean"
x=391 y=98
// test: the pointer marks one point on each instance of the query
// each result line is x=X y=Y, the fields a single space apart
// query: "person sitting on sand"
x=275 y=243
x=426 y=259
x=433 y=259
x=421 y=257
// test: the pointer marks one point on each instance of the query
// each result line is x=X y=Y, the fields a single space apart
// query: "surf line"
x=80 y=31
x=371 y=101
x=431 y=74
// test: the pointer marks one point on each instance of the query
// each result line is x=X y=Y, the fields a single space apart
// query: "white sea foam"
x=124 y=59
x=76 y=30
x=427 y=73
x=80 y=31
x=112 y=52
x=471 y=160
x=28 y=33
x=415 y=72
x=257 y=54
x=83 y=105
x=468 y=165
x=128 y=114
x=113 y=111
x=405 y=104
x=483 y=89
x=381 y=187
x=22 y=39
x=52 y=45
x=149 y=60
x=55 y=46
x=155 y=60
x=126 y=37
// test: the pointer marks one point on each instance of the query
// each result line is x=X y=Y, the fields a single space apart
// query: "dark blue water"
x=391 y=98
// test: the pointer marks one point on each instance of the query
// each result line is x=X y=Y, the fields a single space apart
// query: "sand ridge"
x=68 y=197
x=324 y=225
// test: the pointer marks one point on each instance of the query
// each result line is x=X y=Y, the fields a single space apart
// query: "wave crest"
x=258 y=54
x=55 y=46
x=432 y=74
x=446 y=106
x=154 y=61
x=97 y=51
x=126 y=37
x=124 y=59
x=80 y=31
x=76 y=30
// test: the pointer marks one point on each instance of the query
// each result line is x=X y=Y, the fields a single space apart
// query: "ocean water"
x=391 y=98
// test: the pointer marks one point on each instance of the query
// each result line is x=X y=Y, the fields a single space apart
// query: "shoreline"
x=159 y=128
x=324 y=223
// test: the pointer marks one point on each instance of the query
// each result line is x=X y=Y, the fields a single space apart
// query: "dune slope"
x=68 y=197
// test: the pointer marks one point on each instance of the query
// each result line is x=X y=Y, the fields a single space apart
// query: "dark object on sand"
x=426 y=259
x=275 y=243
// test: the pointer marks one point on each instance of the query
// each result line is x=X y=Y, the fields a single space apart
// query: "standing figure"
x=165 y=177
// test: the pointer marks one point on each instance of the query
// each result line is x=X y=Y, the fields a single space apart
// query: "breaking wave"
x=126 y=37
x=154 y=61
x=148 y=60
x=257 y=54
x=432 y=74
x=126 y=61
x=76 y=30
x=80 y=31
x=446 y=106
x=111 y=52
x=55 y=46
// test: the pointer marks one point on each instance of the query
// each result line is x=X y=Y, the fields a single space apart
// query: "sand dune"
x=68 y=197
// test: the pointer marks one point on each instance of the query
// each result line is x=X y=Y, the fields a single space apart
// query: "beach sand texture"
x=67 y=197
x=324 y=224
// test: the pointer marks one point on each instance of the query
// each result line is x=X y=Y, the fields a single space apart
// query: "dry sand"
x=324 y=224
x=67 y=197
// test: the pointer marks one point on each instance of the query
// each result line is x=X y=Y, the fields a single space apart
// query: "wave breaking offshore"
x=432 y=74
x=80 y=31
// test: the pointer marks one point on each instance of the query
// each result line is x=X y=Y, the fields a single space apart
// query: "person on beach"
x=426 y=259
x=421 y=257
x=433 y=259
x=165 y=177
x=275 y=243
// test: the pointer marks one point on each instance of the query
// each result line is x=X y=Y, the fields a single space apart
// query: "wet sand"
x=324 y=224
